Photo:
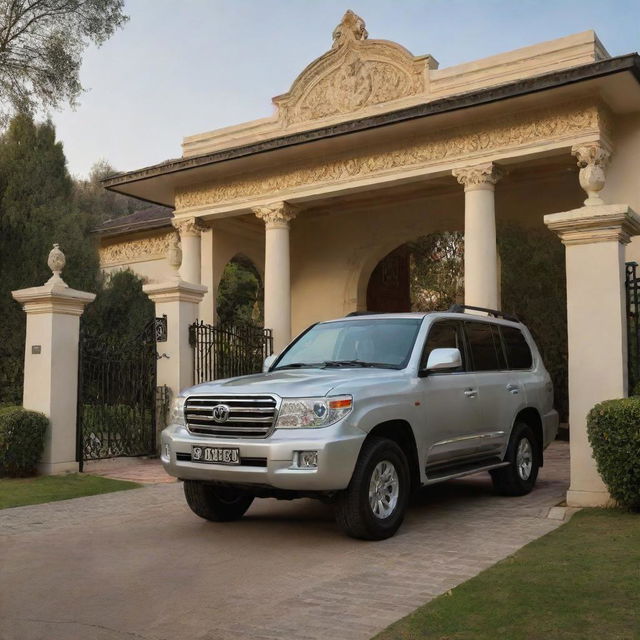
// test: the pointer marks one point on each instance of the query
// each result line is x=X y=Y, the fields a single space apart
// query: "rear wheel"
x=522 y=455
x=373 y=505
x=216 y=502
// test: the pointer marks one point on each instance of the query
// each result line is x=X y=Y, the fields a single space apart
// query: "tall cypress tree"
x=36 y=209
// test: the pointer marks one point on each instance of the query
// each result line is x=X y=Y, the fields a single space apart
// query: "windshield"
x=385 y=343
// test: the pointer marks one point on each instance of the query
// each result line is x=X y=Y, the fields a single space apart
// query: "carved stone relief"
x=354 y=74
x=464 y=142
x=480 y=175
x=153 y=248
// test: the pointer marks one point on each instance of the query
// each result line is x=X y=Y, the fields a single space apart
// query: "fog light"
x=167 y=452
x=307 y=459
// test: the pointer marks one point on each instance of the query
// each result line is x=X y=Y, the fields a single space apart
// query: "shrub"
x=21 y=440
x=614 y=433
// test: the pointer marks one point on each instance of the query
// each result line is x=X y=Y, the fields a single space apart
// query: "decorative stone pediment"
x=355 y=74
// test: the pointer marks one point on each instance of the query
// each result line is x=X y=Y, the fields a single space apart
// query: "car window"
x=518 y=351
x=375 y=341
x=482 y=345
x=446 y=334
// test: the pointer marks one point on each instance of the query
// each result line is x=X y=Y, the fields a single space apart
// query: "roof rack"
x=461 y=308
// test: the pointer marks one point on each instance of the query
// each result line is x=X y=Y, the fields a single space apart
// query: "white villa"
x=373 y=147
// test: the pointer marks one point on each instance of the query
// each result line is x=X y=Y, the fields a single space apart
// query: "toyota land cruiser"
x=362 y=410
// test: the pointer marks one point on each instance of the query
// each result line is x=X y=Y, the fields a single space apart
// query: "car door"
x=500 y=396
x=450 y=408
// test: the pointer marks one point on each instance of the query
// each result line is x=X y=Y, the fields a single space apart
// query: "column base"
x=589 y=499
x=57 y=468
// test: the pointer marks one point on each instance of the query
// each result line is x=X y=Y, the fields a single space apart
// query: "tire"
x=380 y=461
x=523 y=455
x=216 y=503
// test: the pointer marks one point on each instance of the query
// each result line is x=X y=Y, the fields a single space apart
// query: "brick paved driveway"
x=138 y=564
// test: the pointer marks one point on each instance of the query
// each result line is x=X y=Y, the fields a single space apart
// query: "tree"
x=240 y=293
x=104 y=205
x=36 y=210
x=534 y=288
x=41 y=46
x=437 y=271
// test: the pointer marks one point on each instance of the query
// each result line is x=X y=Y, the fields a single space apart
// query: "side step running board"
x=463 y=470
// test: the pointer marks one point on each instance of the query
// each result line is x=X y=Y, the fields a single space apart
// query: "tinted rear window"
x=518 y=352
x=483 y=347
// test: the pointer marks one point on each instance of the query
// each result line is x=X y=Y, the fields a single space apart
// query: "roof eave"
x=535 y=84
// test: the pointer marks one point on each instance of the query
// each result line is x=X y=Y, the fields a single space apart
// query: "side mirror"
x=443 y=360
x=268 y=361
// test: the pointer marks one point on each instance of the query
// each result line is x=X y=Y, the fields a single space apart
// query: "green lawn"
x=17 y=492
x=582 y=581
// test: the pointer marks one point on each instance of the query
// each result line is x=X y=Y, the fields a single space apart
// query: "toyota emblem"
x=220 y=413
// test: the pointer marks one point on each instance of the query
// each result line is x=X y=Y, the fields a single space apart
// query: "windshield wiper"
x=357 y=363
x=299 y=365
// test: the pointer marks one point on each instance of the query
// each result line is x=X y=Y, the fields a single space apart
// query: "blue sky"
x=181 y=67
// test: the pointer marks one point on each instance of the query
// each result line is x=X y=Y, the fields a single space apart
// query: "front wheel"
x=520 y=476
x=372 y=506
x=216 y=502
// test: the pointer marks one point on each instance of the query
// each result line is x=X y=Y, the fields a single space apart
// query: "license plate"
x=215 y=455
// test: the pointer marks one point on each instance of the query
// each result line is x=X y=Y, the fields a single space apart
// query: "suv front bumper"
x=337 y=455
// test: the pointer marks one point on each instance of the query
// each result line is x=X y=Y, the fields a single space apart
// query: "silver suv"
x=363 y=410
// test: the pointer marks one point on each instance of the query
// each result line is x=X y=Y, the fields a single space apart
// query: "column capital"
x=188 y=226
x=277 y=214
x=604 y=223
x=592 y=158
x=479 y=176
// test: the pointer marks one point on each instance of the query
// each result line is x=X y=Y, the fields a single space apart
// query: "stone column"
x=51 y=362
x=277 y=277
x=179 y=301
x=594 y=237
x=190 y=230
x=480 y=253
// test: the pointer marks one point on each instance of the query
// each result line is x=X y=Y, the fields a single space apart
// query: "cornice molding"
x=478 y=141
x=591 y=224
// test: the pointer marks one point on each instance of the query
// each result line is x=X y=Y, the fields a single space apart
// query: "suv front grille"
x=248 y=416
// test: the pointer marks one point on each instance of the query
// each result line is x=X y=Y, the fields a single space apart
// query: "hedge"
x=21 y=440
x=614 y=433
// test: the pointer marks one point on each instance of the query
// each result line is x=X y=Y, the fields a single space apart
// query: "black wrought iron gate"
x=227 y=351
x=633 y=324
x=116 y=396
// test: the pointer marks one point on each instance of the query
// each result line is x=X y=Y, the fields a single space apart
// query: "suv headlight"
x=177 y=412
x=311 y=413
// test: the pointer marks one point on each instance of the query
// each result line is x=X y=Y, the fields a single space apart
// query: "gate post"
x=179 y=301
x=594 y=237
x=51 y=362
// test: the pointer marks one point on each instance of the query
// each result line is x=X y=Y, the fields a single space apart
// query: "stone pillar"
x=480 y=253
x=190 y=230
x=179 y=301
x=51 y=362
x=277 y=277
x=594 y=237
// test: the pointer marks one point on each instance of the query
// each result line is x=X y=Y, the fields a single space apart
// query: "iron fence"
x=227 y=351
x=633 y=324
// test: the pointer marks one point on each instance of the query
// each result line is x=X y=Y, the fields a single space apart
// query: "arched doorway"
x=389 y=285
x=240 y=293
x=423 y=275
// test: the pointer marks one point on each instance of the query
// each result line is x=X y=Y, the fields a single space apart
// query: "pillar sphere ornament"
x=174 y=254
x=592 y=160
x=56 y=262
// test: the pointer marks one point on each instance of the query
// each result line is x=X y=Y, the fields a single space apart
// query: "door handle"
x=471 y=393
x=513 y=389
